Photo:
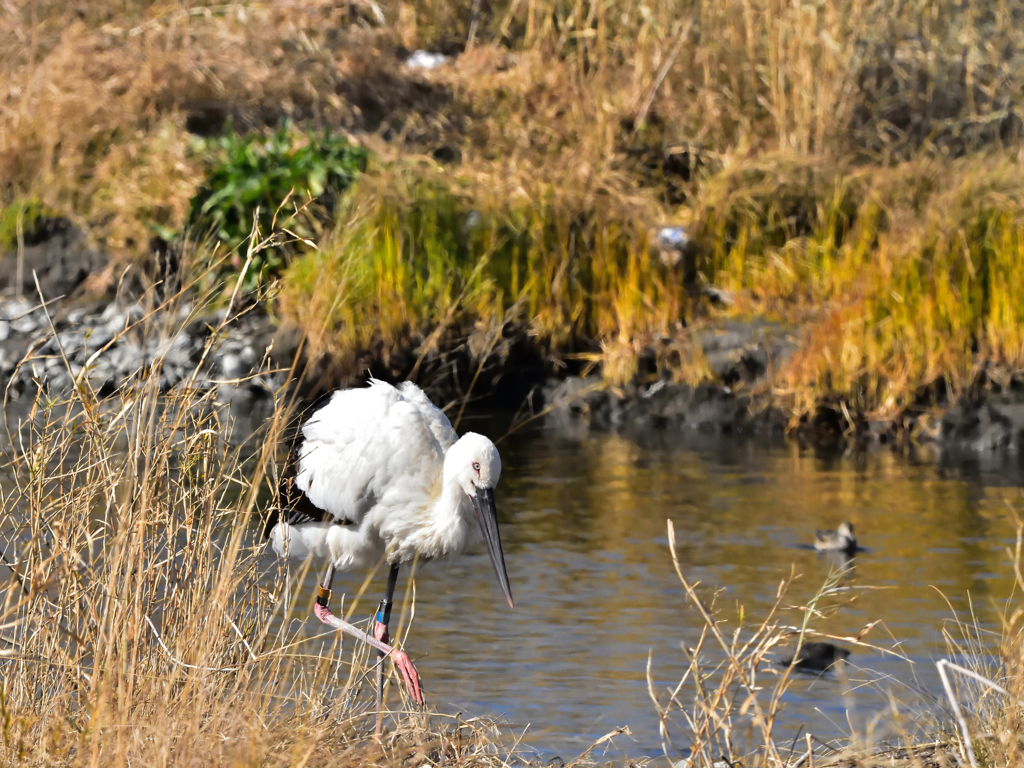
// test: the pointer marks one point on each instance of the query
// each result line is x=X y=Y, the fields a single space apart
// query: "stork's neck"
x=453 y=502
x=451 y=518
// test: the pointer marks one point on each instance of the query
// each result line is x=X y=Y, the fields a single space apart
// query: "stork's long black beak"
x=488 y=516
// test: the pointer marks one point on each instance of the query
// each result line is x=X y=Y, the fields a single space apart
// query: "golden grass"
x=851 y=166
x=905 y=275
x=421 y=250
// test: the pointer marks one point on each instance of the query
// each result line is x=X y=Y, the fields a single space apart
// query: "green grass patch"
x=25 y=218
x=285 y=183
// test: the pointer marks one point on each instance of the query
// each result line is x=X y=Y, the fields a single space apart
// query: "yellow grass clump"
x=902 y=276
x=419 y=248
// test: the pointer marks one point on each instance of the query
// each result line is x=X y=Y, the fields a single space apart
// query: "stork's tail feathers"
x=290 y=503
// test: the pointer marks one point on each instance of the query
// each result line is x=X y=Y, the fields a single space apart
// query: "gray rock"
x=29 y=323
x=14 y=308
x=575 y=400
x=127 y=358
x=983 y=426
x=110 y=312
x=178 y=357
x=134 y=313
x=79 y=315
x=182 y=341
x=97 y=338
x=116 y=318
x=61 y=257
x=169 y=378
x=232 y=366
x=743 y=351
x=72 y=343
x=35 y=369
x=59 y=381
x=664 y=404
x=100 y=373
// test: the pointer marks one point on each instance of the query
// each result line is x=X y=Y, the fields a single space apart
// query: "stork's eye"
x=476 y=466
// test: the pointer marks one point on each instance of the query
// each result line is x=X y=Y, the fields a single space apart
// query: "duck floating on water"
x=839 y=540
x=816 y=657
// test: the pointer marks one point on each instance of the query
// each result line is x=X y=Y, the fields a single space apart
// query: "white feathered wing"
x=372 y=458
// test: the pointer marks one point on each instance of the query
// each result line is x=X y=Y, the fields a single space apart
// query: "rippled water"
x=583 y=521
x=584 y=526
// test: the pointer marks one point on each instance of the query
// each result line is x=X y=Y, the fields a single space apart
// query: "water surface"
x=584 y=527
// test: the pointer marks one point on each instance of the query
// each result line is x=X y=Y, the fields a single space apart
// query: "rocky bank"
x=108 y=342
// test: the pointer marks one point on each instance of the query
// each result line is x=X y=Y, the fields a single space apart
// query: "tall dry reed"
x=727 y=707
x=143 y=621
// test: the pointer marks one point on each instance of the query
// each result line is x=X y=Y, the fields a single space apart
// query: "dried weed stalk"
x=140 y=620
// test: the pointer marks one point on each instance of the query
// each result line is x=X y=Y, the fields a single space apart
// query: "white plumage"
x=380 y=471
x=374 y=458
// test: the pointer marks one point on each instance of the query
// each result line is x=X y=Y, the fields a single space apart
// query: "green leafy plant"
x=27 y=213
x=287 y=183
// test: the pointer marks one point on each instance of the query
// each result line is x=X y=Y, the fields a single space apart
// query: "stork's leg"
x=380 y=631
x=323 y=592
x=401 y=658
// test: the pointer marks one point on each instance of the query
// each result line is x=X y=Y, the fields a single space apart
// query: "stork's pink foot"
x=409 y=674
x=403 y=662
x=323 y=613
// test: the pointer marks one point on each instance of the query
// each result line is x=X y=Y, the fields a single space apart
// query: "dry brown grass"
x=138 y=624
x=97 y=108
x=818 y=153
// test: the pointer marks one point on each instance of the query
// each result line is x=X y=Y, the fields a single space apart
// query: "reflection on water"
x=583 y=523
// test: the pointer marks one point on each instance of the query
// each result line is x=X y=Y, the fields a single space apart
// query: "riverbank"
x=248 y=360
x=551 y=192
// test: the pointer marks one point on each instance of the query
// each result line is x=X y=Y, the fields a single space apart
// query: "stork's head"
x=473 y=463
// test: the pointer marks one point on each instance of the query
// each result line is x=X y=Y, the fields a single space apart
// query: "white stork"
x=381 y=472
